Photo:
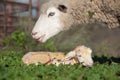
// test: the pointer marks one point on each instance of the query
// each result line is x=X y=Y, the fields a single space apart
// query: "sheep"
x=41 y=57
x=59 y=15
x=81 y=54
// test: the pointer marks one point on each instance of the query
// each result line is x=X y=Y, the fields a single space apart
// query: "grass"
x=12 y=67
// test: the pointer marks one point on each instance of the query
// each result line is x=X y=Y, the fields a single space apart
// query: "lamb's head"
x=84 y=55
x=50 y=21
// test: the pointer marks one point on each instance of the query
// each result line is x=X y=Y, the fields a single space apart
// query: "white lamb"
x=81 y=54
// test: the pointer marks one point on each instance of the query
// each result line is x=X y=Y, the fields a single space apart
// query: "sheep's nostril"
x=33 y=33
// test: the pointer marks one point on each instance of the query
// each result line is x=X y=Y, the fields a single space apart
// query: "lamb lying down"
x=41 y=57
x=80 y=54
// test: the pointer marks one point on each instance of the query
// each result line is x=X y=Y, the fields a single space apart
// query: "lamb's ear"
x=62 y=8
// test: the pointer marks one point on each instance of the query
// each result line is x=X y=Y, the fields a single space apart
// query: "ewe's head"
x=50 y=22
x=84 y=55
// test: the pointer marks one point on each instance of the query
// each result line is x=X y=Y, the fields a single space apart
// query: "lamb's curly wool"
x=86 y=11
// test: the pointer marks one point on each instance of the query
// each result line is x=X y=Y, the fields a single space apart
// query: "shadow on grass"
x=104 y=59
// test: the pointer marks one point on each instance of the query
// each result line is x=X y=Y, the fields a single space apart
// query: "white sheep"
x=59 y=15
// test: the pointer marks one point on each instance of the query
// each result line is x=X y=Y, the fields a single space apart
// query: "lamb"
x=41 y=57
x=81 y=54
x=59 y=15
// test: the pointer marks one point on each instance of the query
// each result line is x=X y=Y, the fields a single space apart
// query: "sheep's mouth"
x=40 y=39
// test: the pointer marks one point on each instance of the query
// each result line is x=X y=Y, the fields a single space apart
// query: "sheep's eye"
x=51 y=14
x=79 y=56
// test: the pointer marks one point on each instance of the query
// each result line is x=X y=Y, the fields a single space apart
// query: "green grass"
x=12 y=68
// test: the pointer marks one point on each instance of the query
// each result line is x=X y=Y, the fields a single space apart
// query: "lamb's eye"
x=51 y=14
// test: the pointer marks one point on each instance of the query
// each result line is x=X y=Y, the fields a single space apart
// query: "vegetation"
x=12 y=67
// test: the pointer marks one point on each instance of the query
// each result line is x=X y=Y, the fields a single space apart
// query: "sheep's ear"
x=62 y=8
